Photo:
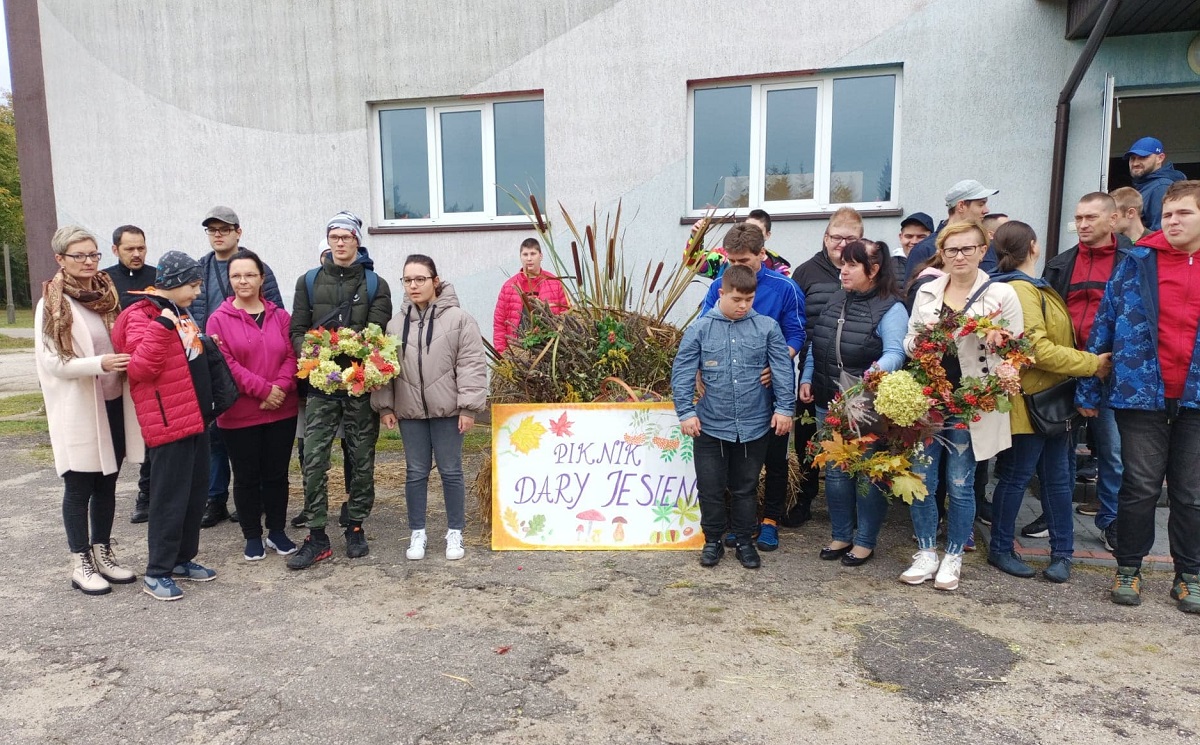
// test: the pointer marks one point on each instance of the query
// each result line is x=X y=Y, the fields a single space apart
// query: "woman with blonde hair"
x=92 y=424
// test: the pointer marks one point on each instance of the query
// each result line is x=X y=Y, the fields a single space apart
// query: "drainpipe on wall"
x=1062 y=122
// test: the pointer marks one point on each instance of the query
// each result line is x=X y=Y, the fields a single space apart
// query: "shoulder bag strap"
x=837 y=339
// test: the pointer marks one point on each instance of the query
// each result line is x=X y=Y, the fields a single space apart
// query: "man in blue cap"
x=1152 y=173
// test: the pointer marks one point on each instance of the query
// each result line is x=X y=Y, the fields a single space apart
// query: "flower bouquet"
x=372 y=355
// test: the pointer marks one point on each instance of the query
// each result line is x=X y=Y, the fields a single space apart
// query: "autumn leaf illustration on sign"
x=561 y=427
x=528 y=435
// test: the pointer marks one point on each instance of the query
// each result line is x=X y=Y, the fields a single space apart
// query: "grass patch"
x=889 y=687
x=23 y=427
x=763 y=631
x=15 y=342
x=24 y=319
x=477 y=440
x=22 y=403
x=681 y=584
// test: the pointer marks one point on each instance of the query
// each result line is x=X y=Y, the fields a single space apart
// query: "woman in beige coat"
x=92 y=424
x=964 y=288
x=440 y=391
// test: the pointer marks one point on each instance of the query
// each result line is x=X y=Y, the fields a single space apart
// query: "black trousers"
x=776 y=484
x=722 y=465
x=260 y=457
x=92 y=494
x=178 y=495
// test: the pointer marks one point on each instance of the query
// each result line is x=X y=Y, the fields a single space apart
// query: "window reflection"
x=462 y=161
x=520 y=153
x=864 y=111
x=791 y=145
x=721 y=148
x=405 y=157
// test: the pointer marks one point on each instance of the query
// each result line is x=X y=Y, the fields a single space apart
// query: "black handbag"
x=1052 y=411
x=224 y=387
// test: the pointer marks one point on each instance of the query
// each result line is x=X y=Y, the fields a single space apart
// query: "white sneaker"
x=416 y=546
x=454 y=545
x=948 y=572
x=924 y=566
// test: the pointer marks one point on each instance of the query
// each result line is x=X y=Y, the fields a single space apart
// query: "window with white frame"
x=455 y=163
x=810 y=144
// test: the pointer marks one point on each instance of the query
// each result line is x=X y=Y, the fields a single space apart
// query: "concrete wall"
x=158 y=111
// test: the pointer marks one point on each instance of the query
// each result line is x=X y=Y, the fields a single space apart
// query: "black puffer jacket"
x=818 y=279
x=861 y=344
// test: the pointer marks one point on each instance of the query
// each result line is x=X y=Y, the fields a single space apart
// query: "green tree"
x=12 y=218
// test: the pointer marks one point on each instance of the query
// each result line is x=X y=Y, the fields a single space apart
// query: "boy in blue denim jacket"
x=729 y=347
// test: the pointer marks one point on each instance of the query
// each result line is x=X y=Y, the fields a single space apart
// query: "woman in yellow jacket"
x=1048 y=328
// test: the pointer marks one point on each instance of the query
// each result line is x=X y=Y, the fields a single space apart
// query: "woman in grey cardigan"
x=441 y=389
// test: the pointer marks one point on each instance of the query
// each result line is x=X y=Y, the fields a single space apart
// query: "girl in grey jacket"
x=441 y=389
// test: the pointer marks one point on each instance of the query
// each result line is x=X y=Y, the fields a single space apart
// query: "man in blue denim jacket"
x=731 y=423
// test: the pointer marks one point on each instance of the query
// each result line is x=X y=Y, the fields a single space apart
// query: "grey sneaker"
x=161 y=588
x=190 y=570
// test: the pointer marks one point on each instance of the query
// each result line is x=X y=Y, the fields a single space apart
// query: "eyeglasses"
x=950 y=253
x=341 y=239
x=220 y=231
x=416 y=281
x=243 y=277
x=84 y=258
x=836 y=239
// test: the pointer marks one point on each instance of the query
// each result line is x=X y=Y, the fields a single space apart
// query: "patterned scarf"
x=101 y=299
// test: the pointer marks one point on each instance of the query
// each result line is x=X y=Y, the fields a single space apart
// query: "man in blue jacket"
x=1152 y=173
x=1149 y=318
x=779 y=298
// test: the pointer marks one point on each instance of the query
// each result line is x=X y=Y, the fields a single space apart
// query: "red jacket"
x=258 y=358
x=509 y=306
x=1178 y=311
x=160 y=382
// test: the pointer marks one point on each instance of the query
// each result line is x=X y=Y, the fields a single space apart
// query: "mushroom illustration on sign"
x=619 y=531
x=579 y=533
x=589 y=517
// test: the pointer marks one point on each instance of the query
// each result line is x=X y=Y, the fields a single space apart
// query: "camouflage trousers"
x=360 y=427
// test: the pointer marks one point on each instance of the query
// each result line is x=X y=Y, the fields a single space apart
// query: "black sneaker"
x=1109 y=536
x=1039 y=528
x=233 y=517
x=983 y=511
x=299 y=521
x=344 y=515
x=356 y=542
x=310 y=553
x=748 y=555
x=711 y=554
x=214 y=513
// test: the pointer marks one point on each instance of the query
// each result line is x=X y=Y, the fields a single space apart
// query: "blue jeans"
x=1108 y=453
x=850 y=508
x=1051 y=457
x=960 y=492
x=218 y=467
x=735 y=466
x=424 y=441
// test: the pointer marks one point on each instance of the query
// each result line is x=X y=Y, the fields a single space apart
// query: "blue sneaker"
x=730 y=540
x=254 y=550
x=969 y=546
x=768 y=537
x=193 y=571
x=278 y=541
x=161 y=588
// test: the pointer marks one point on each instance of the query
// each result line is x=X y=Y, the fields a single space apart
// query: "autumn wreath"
x=371 y=354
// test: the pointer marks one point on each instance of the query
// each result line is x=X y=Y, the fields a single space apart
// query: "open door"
x=1108 y=113
x=1170 y=115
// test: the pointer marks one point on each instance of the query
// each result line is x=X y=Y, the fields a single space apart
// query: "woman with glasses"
x=92 y=424
x=964 y=291
x=440 y=391
x=861 y=327
x=253 y=334
x=1055 y=358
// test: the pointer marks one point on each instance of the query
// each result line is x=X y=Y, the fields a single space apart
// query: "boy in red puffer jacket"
x=172 y=393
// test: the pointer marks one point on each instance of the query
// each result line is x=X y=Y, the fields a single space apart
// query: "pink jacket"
x=258 y=359
x=545 y=287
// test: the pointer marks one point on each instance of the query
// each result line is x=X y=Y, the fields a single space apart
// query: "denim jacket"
x=730 y=356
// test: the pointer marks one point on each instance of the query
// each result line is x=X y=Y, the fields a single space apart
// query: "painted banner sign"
x=572 y=477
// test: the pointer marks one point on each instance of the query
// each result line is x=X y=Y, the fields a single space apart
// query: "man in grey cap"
x=224 y=232
x=965 y=201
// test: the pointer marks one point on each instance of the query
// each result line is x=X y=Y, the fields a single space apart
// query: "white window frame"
x=820 y=203
x=433 y=130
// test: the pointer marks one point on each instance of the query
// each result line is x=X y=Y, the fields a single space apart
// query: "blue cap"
x=1145 y=146
x=920 y=218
